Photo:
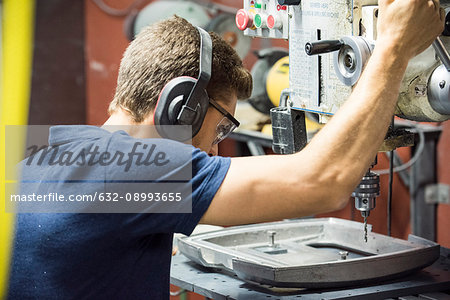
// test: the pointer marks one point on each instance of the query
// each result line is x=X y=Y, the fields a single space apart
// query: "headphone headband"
x=205 y=57
x=188 y=114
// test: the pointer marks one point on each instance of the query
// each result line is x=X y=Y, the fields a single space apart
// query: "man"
x=128 y=255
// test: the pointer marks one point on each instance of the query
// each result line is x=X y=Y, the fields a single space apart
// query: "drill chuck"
x=366 y=192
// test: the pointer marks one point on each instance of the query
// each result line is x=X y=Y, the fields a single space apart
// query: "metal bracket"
x=289 y=130
x=437 y=194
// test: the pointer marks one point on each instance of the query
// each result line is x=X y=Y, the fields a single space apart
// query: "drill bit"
x=365 y=214
x=365 y=229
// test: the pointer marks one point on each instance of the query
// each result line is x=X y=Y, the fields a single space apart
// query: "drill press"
x=339 y=38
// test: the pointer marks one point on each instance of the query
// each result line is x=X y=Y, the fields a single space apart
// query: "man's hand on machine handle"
x=408 y=27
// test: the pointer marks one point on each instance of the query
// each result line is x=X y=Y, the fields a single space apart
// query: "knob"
x=322 y=47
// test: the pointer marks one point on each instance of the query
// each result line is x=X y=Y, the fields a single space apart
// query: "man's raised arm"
x=321 y=177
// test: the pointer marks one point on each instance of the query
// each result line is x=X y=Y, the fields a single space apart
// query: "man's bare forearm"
x=344 y=149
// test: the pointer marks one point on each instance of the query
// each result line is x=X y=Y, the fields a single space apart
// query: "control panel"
x=264 y=18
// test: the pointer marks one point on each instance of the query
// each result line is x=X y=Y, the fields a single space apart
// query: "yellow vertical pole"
x=15 y=85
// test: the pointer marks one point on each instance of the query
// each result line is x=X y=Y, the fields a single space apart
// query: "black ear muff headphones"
x=184 y=100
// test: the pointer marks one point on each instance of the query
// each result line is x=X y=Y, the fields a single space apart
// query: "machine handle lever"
x=321 y=47
x=442 y=53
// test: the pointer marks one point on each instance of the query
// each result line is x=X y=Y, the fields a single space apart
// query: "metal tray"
x=310 y=253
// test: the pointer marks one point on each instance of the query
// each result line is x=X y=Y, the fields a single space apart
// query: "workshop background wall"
x=58 y=74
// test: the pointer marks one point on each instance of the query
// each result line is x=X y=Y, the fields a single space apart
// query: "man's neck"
x=122 y=120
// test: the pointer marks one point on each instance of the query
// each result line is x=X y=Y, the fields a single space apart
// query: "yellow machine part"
x=277 y=80
x=16 y=63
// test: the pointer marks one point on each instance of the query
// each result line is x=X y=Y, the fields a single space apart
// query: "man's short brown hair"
x=169 y=49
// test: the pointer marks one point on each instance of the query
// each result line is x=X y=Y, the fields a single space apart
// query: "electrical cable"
x=391 y=179
x=117 y=12
x=403 y=175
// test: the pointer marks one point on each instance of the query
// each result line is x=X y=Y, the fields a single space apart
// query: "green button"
x=258 y=20
x=257 y=5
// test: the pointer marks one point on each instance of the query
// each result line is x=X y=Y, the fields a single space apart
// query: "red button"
x=270 y=21
x=243 y=19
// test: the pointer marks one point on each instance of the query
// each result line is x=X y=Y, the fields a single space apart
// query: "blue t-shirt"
x=105 y=255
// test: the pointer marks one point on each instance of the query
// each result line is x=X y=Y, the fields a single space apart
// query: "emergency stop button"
x=244 y=19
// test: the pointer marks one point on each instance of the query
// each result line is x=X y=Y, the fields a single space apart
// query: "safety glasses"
x=226 y=125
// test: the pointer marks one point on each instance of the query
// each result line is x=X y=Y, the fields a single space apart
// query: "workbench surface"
x=431 y=282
